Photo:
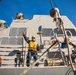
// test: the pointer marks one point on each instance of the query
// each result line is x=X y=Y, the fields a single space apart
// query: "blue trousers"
x=30 y=55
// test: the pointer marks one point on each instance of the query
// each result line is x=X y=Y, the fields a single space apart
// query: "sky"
x=9 y=8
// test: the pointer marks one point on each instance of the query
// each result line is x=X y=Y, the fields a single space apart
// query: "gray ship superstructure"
x=11 y=40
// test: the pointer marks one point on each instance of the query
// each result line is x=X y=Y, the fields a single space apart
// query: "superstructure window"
x=68 y=31
x=20 y=31
x=4 y=40
x=13 y=31
x=12 y=41
x=58 y=31
x=72 y=31
x=47 y=32
x=0 y=40
x=19 y=41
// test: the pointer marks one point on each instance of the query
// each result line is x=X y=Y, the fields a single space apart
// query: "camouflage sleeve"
x=38 y=47
x=26 y=38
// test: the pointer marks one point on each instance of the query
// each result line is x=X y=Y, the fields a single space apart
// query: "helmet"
x=33 y=36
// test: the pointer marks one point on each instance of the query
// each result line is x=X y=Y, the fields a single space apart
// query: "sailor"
x=0 y=61
x=32 y=49
x=18 y=58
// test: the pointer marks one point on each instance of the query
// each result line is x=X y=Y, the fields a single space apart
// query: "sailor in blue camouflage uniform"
x=32 y=49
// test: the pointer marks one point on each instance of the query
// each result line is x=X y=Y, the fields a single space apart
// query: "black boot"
x=37 y=64
x=45 y=63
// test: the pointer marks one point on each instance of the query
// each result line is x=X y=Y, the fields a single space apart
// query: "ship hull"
x=38 y=71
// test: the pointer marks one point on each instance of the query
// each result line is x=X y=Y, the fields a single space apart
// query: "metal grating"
x=56 y=54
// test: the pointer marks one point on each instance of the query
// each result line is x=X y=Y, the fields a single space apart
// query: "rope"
x=66 y=40
x=51 y=3
x=69 y=32
x=26 y=70
x=62 y=54
x=61 y=26
x=55 y=35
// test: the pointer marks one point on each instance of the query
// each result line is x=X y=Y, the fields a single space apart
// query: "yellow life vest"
x=32 y=46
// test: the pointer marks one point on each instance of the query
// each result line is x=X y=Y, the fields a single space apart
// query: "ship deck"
x=53 y=70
